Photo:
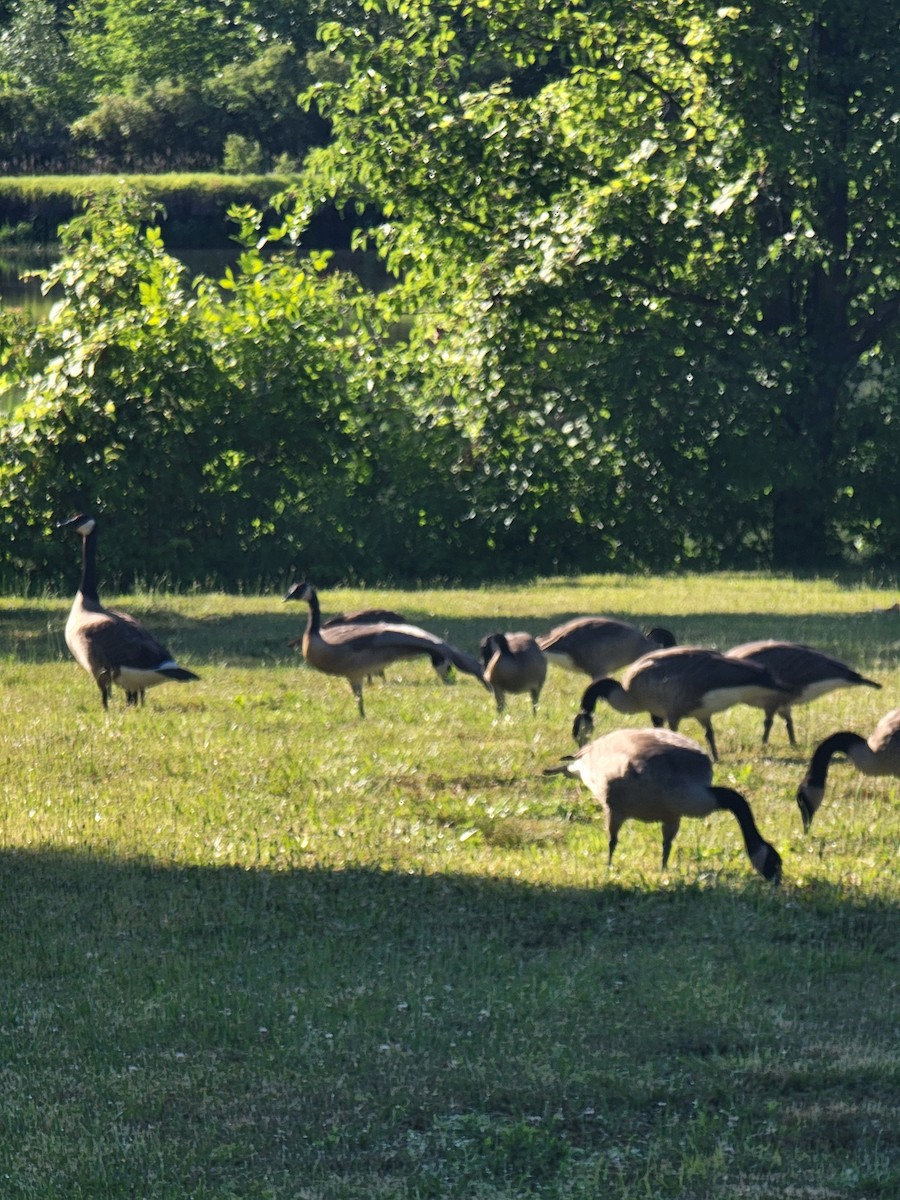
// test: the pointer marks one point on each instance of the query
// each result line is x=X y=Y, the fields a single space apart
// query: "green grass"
x=255 y=947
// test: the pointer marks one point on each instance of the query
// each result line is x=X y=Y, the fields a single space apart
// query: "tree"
x=229 y=429
x=651 y=250
x=131 y=44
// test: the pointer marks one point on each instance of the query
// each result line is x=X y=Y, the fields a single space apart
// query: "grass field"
x=255 y=947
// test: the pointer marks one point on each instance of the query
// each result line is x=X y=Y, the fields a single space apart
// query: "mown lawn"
x=255 y=947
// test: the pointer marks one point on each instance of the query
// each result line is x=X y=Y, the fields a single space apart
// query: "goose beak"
x=582 y=728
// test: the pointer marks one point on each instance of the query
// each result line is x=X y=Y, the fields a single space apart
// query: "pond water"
x=25 y=294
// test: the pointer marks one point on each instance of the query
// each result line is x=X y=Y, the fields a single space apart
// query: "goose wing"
x=383 y=644
x=135 y=644
x=365 y=616
x=798 y=665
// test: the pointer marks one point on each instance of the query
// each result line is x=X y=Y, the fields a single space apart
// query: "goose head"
x=81 y=523
x=299 y=591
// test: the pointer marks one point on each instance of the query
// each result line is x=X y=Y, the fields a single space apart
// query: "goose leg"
x=767 y=725
x=789 y=726
x=669 y=829
x=612 y=828
x=358 y=693
x=535 y=696
x=500 y=698
x=711 y=741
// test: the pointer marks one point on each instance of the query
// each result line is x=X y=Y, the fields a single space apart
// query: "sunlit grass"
x=256 y=947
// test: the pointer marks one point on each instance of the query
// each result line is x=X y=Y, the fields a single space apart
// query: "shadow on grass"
x=209 y=1032
x=261 y=639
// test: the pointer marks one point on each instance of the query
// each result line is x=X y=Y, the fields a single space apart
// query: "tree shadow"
x=201 y=1027
x=32 y=634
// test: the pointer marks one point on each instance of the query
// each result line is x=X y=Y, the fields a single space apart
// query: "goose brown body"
x=112 y=646
x=657 y=775
x=597 y=646
x=355 y=651
x=679 y=683
x=514 y=663
x=806 y=672
x=878 y=754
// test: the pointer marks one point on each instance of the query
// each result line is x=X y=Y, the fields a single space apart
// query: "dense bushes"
x=283 y=420
x=225 y=434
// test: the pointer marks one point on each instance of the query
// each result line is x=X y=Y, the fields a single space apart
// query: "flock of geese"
x=645 y=774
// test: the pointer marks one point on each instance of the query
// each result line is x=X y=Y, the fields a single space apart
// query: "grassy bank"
x=194 y=205
x=255 y=947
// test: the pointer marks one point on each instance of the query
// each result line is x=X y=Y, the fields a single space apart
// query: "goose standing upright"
x=879 y=754
x=513 y=662
x=672 y=685
x=808 y=673
x=358 y=650
x=112 y=646
x=657 y=775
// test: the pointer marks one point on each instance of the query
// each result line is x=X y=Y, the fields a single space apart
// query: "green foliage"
x=256 y=409
x=189 y=118
x=258 y=99
x=150 y=126
x=222 y=409
x=144 y=86
x=138 y=43
x=241 y=155
x=33 y=52
x=634 y=240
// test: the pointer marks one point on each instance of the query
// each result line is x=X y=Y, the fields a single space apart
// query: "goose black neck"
x=594 y=691
x=314 y=620
x=89 y=566
x=734 y=802
x=838 y=743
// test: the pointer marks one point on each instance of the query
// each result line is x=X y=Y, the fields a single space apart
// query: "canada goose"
x=597 y=646
x=112 y=646
x=808 y=673
x=379 y=616
x=356 y=651
x=877 y=755
x=386 y=616
x=658 y=775
x=513 y=662
x=686 y=681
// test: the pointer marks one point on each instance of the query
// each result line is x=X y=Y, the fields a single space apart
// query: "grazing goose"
x=597 y=646
x=808 y=673
x=686 y=681
x=112 y=646
x=513 y=662
x=878 y=754
x=356 y=651
x=658 y=775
